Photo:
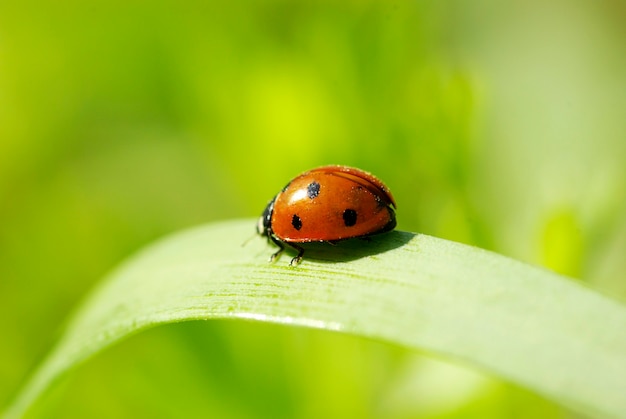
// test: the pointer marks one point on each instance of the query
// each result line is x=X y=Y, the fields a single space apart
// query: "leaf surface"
x=521 y=323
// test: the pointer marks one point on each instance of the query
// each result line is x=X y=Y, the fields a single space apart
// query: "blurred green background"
x=498 y=125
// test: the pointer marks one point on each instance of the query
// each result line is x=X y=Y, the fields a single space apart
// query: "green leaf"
x=521 y=323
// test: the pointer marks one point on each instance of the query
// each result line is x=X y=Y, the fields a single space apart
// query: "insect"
x=327 y=204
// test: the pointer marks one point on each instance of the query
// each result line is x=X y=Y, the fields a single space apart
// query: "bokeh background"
x=502 y=125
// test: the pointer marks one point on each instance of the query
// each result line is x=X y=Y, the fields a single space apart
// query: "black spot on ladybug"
x=296 y=222
x=313 y=190
x=349 y=217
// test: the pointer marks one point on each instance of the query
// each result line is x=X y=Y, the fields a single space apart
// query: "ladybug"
x=327 y=204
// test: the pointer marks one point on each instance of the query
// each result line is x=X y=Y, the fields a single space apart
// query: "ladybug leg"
x=298 y=257
x=278 y=243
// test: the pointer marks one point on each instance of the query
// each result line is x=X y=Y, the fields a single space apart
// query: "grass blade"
x=521 y=323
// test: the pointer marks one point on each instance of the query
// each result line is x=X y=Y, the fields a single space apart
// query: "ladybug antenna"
x=248 y=240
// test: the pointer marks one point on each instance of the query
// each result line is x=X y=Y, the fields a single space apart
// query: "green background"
x=498 y=125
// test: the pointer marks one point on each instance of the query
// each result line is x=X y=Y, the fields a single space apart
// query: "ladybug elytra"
x=327 y=204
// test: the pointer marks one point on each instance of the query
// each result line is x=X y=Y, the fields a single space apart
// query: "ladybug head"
x=264 y=225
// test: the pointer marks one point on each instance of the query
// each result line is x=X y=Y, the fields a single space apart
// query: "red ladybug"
x=327 y=204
